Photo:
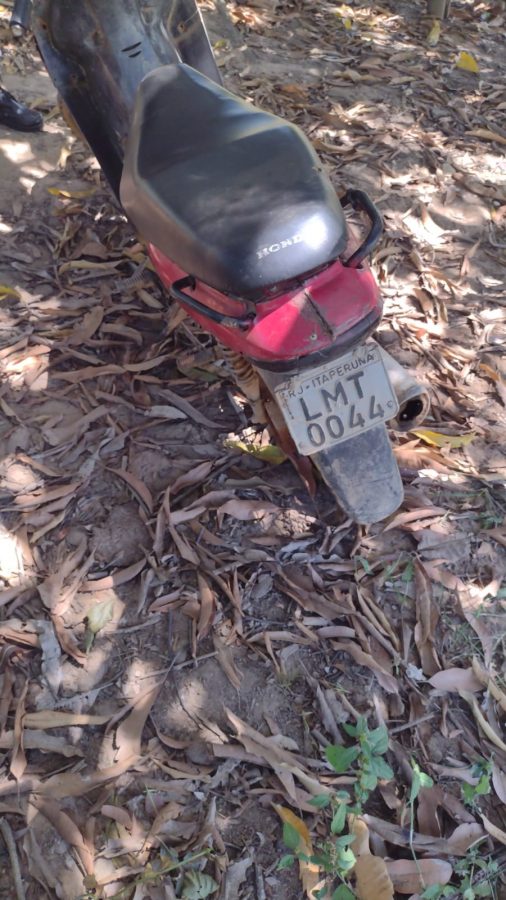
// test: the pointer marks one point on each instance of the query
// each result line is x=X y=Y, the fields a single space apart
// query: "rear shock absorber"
x=248 y=381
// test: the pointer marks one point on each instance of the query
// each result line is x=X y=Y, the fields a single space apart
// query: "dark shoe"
x=18 y=116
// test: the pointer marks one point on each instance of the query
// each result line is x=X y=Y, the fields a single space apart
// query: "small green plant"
x=334 y=854
x=195 y=883
x=367 y=756
x=482 y=770
x=477 y=877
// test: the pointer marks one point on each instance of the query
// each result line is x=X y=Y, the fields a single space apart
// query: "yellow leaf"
x=71 y=195
x=434 y=34
x=6 y=291
x=467 y=62
x=309 y=873
x=436 y=439
x=348 y=24
x=373 y=880
x=268 y=453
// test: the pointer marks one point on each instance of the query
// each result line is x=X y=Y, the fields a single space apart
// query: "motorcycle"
x=244 y=229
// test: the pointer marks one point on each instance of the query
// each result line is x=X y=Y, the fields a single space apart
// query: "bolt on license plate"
x=337 y=401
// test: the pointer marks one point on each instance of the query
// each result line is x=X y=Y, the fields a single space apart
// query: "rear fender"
x=363 y=475
x=326 y=314
x=97 y=55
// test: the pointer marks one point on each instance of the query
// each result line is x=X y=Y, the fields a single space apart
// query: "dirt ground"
x=183 y=629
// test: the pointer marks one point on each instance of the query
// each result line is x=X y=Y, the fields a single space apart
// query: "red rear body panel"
x=333 y=309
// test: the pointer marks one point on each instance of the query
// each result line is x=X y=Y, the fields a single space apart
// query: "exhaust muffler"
x=413 y=397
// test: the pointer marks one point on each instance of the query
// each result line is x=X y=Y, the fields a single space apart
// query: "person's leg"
x=16 y=115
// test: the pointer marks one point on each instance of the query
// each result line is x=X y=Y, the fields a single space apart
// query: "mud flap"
x=364 y=476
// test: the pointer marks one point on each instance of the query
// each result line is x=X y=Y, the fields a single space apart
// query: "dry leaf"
x=121 y=576
x=6 y=291
x=168 y=813
x=225 y=657
x=51 y=588
x=207 y=606
x=434 y=34
x=386 y=680
x=499 y=782
x=373 y=879
x=118 y=814
x=437 y=439
x=137 y=486
x=282 y=761
x=76 y=785
x=359 y=829
x=39 y=740
x=67 y=641
x=17 y=632
x=72 y=431
x=395 y=834
x=467 y=62
x=488 y=135
x=429 y=801
x=129 y=732
x=481 y=720
x=464 y=837
x=309 y=872
x=497 y=833
x=234 y=878
x=470 y=598
x=18 y=758
x=409 y=876
x=73 y=195
x=414 y=516
x=456 y=680
x=190 y=410
x=85 y=329
x=66 y=828
x=51 y=654
x=52 y=718
x=146 y=365
x=427 y=618
x=489 y=682
x=172 y=413
x=266 y=452
x=80 y=375
x=247 y=510
x=97 y=618
x=39 y=498
x=196 y=475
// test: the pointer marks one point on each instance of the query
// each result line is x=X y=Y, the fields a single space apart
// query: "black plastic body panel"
x=236 y=196
x=98 y=51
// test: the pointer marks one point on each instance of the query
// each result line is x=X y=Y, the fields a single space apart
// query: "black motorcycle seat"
x=234 y=196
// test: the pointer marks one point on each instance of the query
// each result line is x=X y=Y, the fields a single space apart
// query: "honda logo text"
x=280 y=245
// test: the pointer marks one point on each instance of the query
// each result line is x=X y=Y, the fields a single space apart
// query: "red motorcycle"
x=244 y=229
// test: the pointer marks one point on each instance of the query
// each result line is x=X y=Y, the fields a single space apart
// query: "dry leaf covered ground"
x=183 y=630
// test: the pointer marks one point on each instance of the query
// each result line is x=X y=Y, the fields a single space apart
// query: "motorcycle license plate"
x=337 y=401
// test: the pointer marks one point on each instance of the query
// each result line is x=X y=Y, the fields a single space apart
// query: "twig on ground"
x=259 y=883
x=10 y=843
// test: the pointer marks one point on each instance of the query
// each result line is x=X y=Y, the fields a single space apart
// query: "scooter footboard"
x=363 y=474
